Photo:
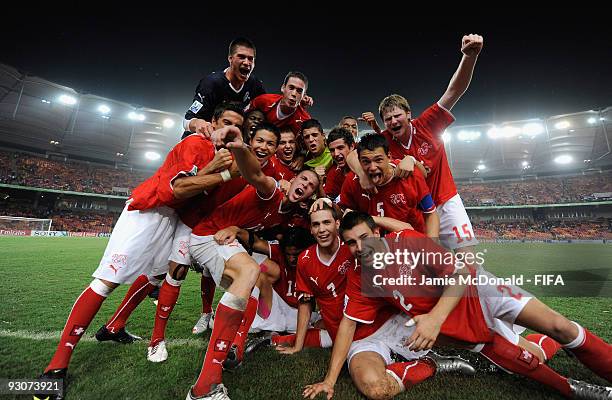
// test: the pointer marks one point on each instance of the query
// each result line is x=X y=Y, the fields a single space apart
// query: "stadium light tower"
x=468 y=136
x=533 y=129
x=564 y=159
x=592 y=120
x=104 y=109
x=67 y=100
x=562 y=125
x=481 y=167
x=134 y=116
x=151 y=155
x=168 y=123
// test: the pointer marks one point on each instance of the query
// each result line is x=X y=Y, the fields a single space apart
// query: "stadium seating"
x=547 y=230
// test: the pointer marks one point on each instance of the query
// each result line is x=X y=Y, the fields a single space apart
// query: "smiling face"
x=324 y=228
x=242 y=62
x=286 y=147
x=397 y=121
x=253 y=118
x=375 y=163
x=293 y=92
x=263 y=145
x=303 y=186
x=314 y=140
x=361 y=248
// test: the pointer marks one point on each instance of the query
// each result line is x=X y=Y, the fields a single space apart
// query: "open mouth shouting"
x=261 y=155
x=244 y=71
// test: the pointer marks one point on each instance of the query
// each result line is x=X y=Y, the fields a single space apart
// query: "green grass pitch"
x=41 y=278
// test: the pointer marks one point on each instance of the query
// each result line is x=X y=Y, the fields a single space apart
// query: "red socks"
x=168 y=295
x=313 y=339
x=549 y=346
x=227 y=321
x=247 y=321
x=410 y=373
x=593 y=352
x=135 y=295
x=207 y=287
x=514 y=359
x=83 y=311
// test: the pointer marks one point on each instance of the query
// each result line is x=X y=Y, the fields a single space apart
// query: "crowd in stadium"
x=547 y=230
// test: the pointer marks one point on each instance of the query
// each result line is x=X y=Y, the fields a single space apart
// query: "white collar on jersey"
x=412 y=129
x=230 y=83
x=333 y=257
x=280 y=115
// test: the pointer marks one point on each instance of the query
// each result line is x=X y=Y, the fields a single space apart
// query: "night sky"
x=530 y=67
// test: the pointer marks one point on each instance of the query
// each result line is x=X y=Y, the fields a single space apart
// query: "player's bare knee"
x=378 y=390
x=179 y=272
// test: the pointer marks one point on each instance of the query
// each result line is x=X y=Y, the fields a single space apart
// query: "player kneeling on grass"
x=431 y=319
x=260 y=206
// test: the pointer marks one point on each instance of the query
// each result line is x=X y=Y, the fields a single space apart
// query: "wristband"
x=225 y=175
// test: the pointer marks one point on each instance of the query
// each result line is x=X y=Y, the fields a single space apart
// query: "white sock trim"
x=325 y=339
x=174 y=282
x=154 y=281
x=397 y=378
x=233 y=301
x=579 y=341
x=100 y=288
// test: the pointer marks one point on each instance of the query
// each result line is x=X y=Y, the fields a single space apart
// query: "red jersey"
x=247 y=210
x=427 y=146
x=282 y=170
x=326 y=281
x=333 y=182
x=268 y=104
x=285 y=285
x=405 y=199
x=200 y=206
x=188 y=157
x=465 y=322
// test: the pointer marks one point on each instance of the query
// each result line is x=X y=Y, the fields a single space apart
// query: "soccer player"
x=318 y=157
x=350 y=124
x=286 y=153
x=430 y=317
x=285 y=110
x=263 y=146
x=406 y=199
x=259 y=206
x=340 y=143
x=236 y=83
x=251 y=120
x=141 y=240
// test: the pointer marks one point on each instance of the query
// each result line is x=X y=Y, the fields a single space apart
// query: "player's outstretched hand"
x=471 y=45
x=226 y=235
x=307 y=101
x=221 y=161
x=369 y=118
x=201 y=127
x=228 y=136
x=287 y=349
x=425 y=333
x=311 y=391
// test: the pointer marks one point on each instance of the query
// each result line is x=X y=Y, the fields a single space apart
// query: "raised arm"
x=470 y=47
x=215 y=173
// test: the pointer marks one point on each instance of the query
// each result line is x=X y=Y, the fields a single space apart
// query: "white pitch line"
x=30 y=335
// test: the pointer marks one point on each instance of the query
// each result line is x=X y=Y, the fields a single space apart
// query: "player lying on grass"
x=262 y=205
x=428 y=322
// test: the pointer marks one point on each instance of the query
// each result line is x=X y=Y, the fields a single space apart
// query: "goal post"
x=23 y=223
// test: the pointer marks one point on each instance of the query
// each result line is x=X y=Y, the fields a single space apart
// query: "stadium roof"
x=51 y=118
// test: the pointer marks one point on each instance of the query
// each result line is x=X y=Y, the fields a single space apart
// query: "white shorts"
x=501 y=306
x=455 y=227
x=180 y=245
x=212 y=256
x=389 y=337
x=139 y=244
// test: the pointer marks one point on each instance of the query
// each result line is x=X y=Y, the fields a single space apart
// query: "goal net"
x=25 y=224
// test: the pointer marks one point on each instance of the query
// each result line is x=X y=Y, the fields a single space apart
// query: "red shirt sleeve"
x=426 y=203
x=435 y=120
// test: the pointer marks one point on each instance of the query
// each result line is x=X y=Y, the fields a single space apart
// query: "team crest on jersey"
x=196 y=106
x=397 y=198
x=342 y=268
x=246 y=97
x=424 y=149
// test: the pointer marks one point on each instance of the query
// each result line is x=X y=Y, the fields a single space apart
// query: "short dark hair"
x=312 y=123
x=371 y=142
x=266 y=126
x=296 y=74
x=241 y=41
x=334 y=209
x=228 y=106
x=349 y=117
x=340 y=133
x=297 y=237
x=354 y=218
